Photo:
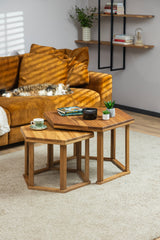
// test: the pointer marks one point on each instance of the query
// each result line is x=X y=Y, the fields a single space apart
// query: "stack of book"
x=118 y=8
x=123 y=39
x=70 y=111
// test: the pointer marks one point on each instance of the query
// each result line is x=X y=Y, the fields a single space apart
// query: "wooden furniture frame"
x=100 y=126
x=51 y=136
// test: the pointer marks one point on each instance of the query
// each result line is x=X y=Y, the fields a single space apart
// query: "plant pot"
x=86 y=34
x=105 y=116
x=112 y=112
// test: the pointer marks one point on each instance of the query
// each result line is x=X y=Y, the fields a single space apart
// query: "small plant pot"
x=105 y=116
x=86 y=34
x=112 y=112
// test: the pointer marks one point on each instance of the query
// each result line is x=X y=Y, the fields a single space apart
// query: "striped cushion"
x=9 y=67
x=77 y=74
x=80 y=54
x=42 y=68
x=35 y=48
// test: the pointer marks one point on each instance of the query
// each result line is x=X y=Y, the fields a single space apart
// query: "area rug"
x=127 y=208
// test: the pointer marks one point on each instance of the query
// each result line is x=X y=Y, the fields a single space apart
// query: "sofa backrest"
x=31 y=68
x=9 y=68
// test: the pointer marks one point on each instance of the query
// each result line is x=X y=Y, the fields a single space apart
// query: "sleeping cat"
x=39 y=90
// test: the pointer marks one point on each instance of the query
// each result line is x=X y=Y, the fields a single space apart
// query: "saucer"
x=33 y=127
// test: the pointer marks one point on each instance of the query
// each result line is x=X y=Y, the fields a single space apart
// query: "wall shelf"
x=95 y=42
x=126 y=15
x=111 y=43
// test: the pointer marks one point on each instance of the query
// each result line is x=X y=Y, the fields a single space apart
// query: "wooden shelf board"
x=94 y=42
x=127 y=15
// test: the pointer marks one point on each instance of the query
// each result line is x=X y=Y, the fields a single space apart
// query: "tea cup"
x=38 y=122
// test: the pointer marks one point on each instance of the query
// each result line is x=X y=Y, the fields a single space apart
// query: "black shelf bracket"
x=111 y=39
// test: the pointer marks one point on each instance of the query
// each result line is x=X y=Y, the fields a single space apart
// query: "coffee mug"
x=38 y=122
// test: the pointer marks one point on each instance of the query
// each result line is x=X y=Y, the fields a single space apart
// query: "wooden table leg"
x=26 y=170
x=74 y=149
x=87 y=159
x=99 y=157
x=78 y=153
x=50 y=158
x=31 y=164
x=127 y=148
x=63 y=167
x=113 y=143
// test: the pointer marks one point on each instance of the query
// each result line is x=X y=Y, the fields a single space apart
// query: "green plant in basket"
x=109 y=104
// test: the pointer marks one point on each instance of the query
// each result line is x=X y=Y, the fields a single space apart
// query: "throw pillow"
x=9 y=67
x=35 y=48
x=80 y=54
x=77 y=74
x=42 y=68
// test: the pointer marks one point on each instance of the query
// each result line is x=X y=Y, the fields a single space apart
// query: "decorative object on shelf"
x=110 y=107
x=138 y=37
x=86 y=17
x=86 y=34
x=89 y=113
x=106 y=115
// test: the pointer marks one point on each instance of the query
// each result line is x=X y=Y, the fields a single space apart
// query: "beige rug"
x=127 y=208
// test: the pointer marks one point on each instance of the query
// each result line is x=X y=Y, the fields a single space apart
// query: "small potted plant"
x=110 y=107
x=86 y=17
x=106 y=115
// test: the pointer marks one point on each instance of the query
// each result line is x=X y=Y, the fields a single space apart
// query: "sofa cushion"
x=77 y=74
x=80 y=54
x=35 y=106
x=77 y=60
x=9 y=67
x=42 y=68
x=35 y=48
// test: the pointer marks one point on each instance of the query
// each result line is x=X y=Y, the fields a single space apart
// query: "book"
x=124 y=43
x=123 y=36
x=69 y=114
x=66 y=111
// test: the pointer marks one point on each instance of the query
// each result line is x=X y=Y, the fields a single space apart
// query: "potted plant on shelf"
x=106 y=115
x=110 y=107
x=86 y=17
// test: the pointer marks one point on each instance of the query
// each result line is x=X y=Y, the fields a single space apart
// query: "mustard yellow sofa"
x=48 y=65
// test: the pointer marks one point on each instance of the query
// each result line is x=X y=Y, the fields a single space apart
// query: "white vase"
x=112 y=112
x=105 y=116
x=86 y=34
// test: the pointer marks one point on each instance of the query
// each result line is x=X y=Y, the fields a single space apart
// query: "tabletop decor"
x=89 y=113
x=110 y=107
x=106 y=115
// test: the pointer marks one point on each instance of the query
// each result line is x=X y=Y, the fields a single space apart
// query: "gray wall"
x=45 y=22
x=139 y=84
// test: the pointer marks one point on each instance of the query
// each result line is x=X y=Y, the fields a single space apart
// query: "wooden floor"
x=143 y=123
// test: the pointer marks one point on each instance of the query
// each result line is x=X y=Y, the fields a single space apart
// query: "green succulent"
x=106 y=112
x=109 y=104
x=85 y=16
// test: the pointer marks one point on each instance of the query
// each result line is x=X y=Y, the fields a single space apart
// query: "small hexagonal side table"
x=50 y=137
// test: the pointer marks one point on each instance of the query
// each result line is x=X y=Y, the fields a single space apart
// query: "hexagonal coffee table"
x=100 y=126
x=52 y=136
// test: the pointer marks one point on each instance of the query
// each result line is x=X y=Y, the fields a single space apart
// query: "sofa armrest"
x=101 y=83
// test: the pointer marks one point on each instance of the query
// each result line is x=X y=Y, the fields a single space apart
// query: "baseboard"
x=138 y=110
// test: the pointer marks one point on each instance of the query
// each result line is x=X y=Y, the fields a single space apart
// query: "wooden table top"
x=98 y=125
x=54 y=136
